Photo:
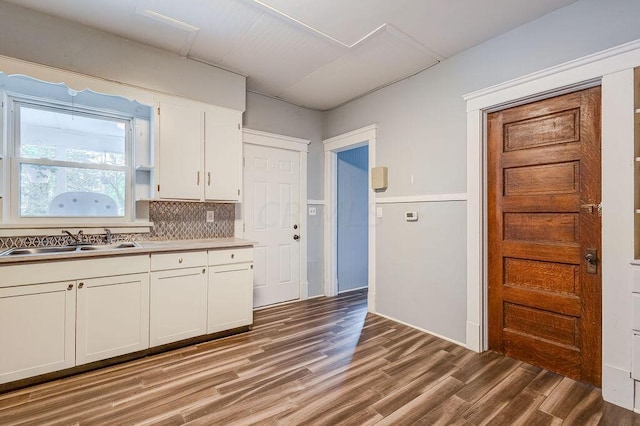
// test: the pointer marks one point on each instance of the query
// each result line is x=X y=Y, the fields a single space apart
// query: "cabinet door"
x=181 y=138
x=223 y=154
x=112 y=317
x=178 y=307
x=37 y=329
x=230 y=297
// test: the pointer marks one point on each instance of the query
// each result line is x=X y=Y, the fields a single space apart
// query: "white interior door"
x=272 y=218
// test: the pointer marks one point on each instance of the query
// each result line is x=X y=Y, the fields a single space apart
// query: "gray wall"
x=275 y=116
x=353 y=218
x=39 y=38
x=422 y=132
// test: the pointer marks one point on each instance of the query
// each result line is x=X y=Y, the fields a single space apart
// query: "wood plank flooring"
x=321 y=361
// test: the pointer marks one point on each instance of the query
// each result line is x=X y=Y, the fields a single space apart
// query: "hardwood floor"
x=322 y=361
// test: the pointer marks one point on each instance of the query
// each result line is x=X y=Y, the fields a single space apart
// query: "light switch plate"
x=312 y=211
x=210 y=216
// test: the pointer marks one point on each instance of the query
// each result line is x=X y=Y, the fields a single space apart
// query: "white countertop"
x=146 y=247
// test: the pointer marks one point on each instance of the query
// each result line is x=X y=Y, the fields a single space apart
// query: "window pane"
x=70 y=191
x=65 y=136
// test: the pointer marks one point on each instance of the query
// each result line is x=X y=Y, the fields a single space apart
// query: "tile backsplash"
x=173 y=220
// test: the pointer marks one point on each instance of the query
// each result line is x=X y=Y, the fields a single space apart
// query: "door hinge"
x=158 y=187
x=244 y=227
x=238 y=192
x=243 y=161
x=238 y=126
x=158 y=110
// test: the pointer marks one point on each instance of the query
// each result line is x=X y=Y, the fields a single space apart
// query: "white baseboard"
x=371 y=301
x=352 y=289
x=473 y=337
x=618 y=386
x=423 y=330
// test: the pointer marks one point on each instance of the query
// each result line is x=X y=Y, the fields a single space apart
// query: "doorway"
x=365 y=136
x=352 y=220
x=544 y=234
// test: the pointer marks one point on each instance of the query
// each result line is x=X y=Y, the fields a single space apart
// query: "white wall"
x=39 y=38
x=275 y=116
x=353 y=218
x=422 y=132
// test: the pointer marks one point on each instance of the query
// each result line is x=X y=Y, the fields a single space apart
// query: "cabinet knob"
x=70 y=287
x=233 y=255
x=80 y=285
x=180 y=260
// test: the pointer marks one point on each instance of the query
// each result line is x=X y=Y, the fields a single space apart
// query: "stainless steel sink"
x=27 y=251
x=24 y=251
x=115 y=246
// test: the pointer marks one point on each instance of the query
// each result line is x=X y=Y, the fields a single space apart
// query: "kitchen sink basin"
x=26 y=251
x=115 y=246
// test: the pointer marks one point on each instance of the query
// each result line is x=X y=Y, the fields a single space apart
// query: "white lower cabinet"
x=51 y=318
x=230 y=303
x=178 y=306
x=57 y=315
x=37 y=329
x=112 y=317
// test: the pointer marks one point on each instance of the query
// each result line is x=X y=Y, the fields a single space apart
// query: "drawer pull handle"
x=233 y=255
x=180 y=260
x=204 y=270
x=80 y=285
x=70 y=287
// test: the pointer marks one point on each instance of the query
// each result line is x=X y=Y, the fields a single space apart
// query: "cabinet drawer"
x=165 y=261
x=226 y=256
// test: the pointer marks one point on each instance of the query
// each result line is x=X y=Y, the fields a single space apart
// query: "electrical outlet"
x=210 y=216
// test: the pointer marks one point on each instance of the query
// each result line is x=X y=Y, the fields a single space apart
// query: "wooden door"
x=543 y=165
x=272 y=218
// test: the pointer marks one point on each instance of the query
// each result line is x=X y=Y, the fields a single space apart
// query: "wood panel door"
x=543 y=173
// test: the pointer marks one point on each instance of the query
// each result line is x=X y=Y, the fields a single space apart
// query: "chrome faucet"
x=77 y=239
x=108 y=237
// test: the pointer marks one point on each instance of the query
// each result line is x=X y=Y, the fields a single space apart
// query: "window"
x=70 y=162
x=68 y=157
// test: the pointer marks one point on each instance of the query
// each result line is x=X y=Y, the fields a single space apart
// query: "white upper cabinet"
x=223 y=154
x=200 y=152
x=181 y=136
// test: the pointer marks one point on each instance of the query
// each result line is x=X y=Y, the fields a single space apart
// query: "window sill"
x=46 y=229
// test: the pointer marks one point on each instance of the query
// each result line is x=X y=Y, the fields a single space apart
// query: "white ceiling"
x=314 y=53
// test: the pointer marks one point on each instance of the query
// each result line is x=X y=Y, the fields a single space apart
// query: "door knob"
x=592 y=261
x=296 y=237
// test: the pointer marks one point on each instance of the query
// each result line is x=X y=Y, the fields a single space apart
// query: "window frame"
x=14 y=102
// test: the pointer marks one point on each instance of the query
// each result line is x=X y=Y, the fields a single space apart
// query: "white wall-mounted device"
x=411 y=216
